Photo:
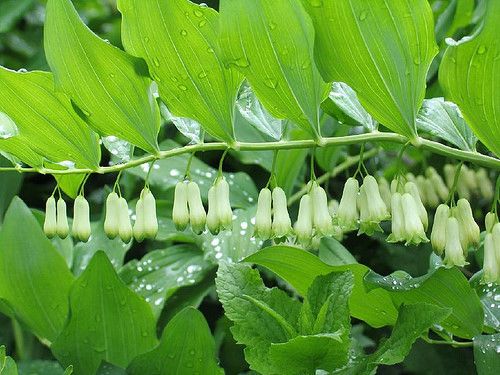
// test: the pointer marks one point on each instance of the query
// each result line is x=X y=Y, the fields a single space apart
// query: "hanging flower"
x=50 y=223
x=454 y=254
x=414 y=232
x=125 y=230
x=490 y=220
x=81 y=219
x=385 y=191
x=213 y=222
x=431 y=194
x=138 y=229
x=111 y=221
x=421 y=189
x=197 y=214
x=469 y=230
x=491 y=272
x=282 y=225
x=371 y=207
x=224 y=210
x=150 y=219
x=180 y=212
x=485 y=185
x=322 y=221
x=333 y=207
x=438 y=234
x=438 y=183
x=304 y=224
x=347 y=214
x=263 y=221
x=62 y=219
x=398 y=221
x=412 y=189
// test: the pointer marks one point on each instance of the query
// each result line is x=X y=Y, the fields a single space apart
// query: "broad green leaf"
x=444 y=120
x=288 y=168
x=486 y=354
x=489 y=294
x=261 y=316
x=30 y=263
x=299 y=268
x=10 y=183
x=179 y=41
x=271 y=43
x=161 y=272
x=107 y=321
x=470 y=77
x=189 y=128
x=346 y=99
x=109 y=369
x=332 y=252
x=186 y=347
x=456 y=15
x=7 y=364
x=46 y=120
x=447 y=288
x=382 y=49
x=120 y=149
x=168 y=172
x=70 y=183
x=40 y=367
x=109 y=87
x=11 y=11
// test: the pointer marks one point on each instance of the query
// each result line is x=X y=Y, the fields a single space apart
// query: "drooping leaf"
x=107 y=321
x=30 y=263
x=470 y=77
x=486 y=350
x=382 y=49
x=271 y=43
x=161 y=272
x=444 y=120
x=109 y=87
x=186 y=347
x=184 y=59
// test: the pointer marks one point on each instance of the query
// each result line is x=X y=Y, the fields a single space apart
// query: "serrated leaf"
x=486 y=350
x=186 y=347
x=107 y=321
x=109 y=87
x=271 y=43
x=162 y=272
x=29 y=262
x=347 y=100
x=59 y=135
x=470 y=76
x=184 y=59
x=444 y=120
x=383 y=51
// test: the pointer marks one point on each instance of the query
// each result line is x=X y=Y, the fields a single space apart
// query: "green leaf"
x=486 y=358
x=189 y=128
x=489 y=294
x=444 y=120
x=109 y=87
x=30 y=263
x=456 y=15
x=10 y=183
x=11 y=11
x=70 y=183
x=470 y=77
x=256 y=325
x=186 y=347
x=271 y=43
x=447 y=288
x=7 y=364
x=299 y=268
x=40 y=367
x=184 y=59
x=59 y=135
x=382 y=49
x=161 y=272
x=288 y=168
x=107 y=321
x=332 y=252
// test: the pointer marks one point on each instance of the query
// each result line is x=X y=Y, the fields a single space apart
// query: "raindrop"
x=416 y=60
x=22 y=70
x=146 y=39
x=175 y=173
x=316 y=3
x=362 y=15
x=156 y=61
x=198 y=13
x=242 y=62
x=182 y=88
x=271 y=83
x=481 y=50
x=202 y=75
x=8 y=128
x=183 y=32
x=272 y=25
x=202 y=23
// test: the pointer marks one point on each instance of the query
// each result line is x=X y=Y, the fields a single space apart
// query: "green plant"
x=306 y=100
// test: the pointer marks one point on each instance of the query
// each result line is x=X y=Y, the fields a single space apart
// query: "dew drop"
x=202 y=75
x=146 y=39
x=198 y=13
x=182 y=88
x=183 y=32
x=271 y=83
x=202 y=23
x=156 y=61
x=272 y=25
x=316 y=3
x=362 y=15
x=481 y=50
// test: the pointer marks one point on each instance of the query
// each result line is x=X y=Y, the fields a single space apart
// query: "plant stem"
x=457 y=344
x=349 y=162
x=436 y=147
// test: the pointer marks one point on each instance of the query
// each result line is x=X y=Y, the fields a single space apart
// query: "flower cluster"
x=491 y=264
x=272 y=219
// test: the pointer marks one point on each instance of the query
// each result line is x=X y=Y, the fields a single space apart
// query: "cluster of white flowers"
x=491 y=263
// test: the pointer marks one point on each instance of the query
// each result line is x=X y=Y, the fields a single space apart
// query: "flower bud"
x=213 y=222
x=333 y=207
x=224 y=210
x=411 y=177
x=150 y=219
x=438 y=234
x=81 y=219
x=322 y=221
x=398 y=224
x=449 y=174
x=180 y=212
x=263 y=222
x=62 y=219
x=485 y=184
x=197 y=214
x=454 y=254
x=414 y=229
x=431 y=194
x=282 y=224
x=469 y=178
x=437 y=181
x=347 y=214
x=376 y=206
x=111 y=221
x=367 y=224
x=469 y=230
x=385 y=192
x=138 y=229
x=304 y=224
x=124 y=225
x=412 y=189
x=50 y=223
x=490 y=220
x=491 y=272
x=420 y=184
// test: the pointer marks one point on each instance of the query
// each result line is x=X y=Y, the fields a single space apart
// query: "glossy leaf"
x=489 y=294
x=332 y=252
x=486 y=350
x=161 y=272
x=382 y=49
x=186 y=347
x=109 y=87
x=444 y=120
x=271 y=43
x=457 y=14
x=10 y=183
x=59 y=135
x=470 y=77
x=70 y=183
x=120 y=149
x=184 y=59
x=30 y=263
x=107 y=321
x=40 y=367
x=189 y=128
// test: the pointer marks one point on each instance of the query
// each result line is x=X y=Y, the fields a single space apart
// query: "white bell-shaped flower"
x=50 y=223
x=138 y=228
x=197 y=214
x=263 y=220
x=322 y=221
x=413 y=190
x=469 y=178
x=454 y=254
x=491 y=272
x=438 y=234
x=150 y=218
x=180 y=212
x=62 y=219
x=304 y=224
x=490 y=220
x=414 y=229
x=485 y=185
x=347 y=214
x=125 y=230
x=367 y=224
x=385 y=192
x=333 y=207
x=111 y=221
x=224 y=210
x=213 y=222
x=469 y=230
x=81 y=219
x=398 y=220
x=437 y=181
x=431 y=194
x=421 y=188
x=282 y=225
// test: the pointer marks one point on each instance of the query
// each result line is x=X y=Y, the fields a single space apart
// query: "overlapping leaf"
x=382 y=49
x=110 y=88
